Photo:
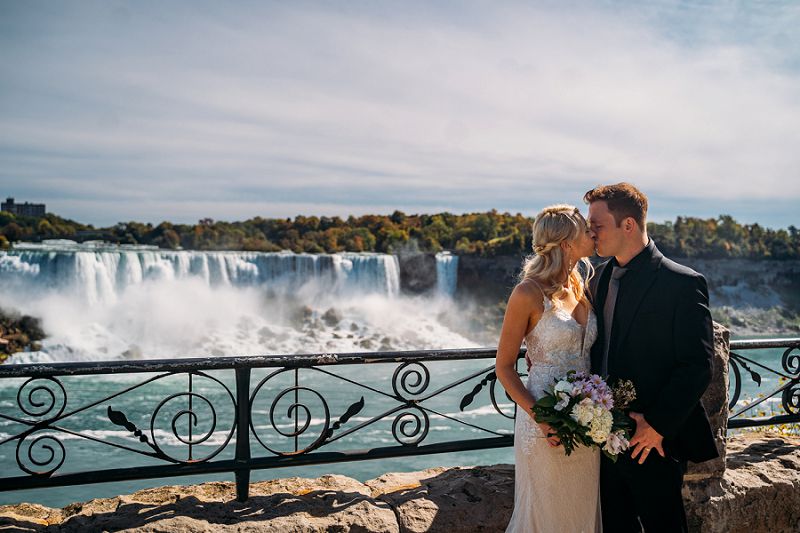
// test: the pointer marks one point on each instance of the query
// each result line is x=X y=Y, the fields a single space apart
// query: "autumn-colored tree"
x=488 y=234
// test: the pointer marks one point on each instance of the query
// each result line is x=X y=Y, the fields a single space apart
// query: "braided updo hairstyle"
x=548 y=264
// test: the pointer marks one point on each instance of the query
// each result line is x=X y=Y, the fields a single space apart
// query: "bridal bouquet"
x=582 y=409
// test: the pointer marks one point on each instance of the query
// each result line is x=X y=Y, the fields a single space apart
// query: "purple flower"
x=607 y=402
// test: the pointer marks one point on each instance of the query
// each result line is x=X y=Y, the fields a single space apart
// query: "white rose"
x=562 y=403
x=563 y=386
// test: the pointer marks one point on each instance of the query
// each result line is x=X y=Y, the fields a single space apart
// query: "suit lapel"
x=632 y=294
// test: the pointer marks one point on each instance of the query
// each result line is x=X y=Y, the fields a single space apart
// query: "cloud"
x=324 y=107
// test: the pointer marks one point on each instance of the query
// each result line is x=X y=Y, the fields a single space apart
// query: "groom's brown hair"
x=623 y=200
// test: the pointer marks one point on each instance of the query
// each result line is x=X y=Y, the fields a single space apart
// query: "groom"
x=655 y=330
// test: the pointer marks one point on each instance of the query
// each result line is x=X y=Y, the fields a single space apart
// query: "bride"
x=549 y=310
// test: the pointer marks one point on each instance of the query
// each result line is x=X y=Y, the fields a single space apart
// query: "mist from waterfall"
x=122 y=302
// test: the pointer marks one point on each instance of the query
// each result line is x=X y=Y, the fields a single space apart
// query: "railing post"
x=242 y=433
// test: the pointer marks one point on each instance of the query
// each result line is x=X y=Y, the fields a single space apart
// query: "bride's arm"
x=522 y=312
x=524 y=309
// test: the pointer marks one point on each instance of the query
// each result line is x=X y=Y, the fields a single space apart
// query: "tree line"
x=484 y=234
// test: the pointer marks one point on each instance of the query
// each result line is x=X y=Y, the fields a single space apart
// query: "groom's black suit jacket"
x=663 y=341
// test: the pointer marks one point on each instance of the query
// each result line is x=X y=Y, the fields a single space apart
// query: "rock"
x=449 y=500
x=395 y=482
x=32 y=326
x=367 y=344
x=328 y=503
x=37 y=516
x=331 y=317
x=715 y=402
x=488 y=279
x=301 y=316
x=386 y=344
x=759 y=492
x=417 y=272
x=18 y=333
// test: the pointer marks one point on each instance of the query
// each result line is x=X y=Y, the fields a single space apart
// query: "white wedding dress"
x=554 y=492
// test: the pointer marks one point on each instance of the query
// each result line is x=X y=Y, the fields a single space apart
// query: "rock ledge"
x=760 y=491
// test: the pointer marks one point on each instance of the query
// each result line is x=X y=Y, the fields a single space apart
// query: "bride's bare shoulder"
x=527 y=293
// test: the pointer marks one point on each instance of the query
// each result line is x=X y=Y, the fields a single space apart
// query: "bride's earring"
x=570 y=263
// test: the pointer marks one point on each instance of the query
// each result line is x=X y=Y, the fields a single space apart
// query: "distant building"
x=25 y=210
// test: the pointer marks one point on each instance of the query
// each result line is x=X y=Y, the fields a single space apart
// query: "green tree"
x=13 y=231
x=45 y=230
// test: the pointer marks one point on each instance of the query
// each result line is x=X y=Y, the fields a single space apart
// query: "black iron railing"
x=763 y=404
x=285 y=418
x=182 y=416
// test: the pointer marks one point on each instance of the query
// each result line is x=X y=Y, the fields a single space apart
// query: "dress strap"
x=545 y=300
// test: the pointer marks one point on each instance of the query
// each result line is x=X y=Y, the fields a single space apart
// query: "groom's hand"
x=645 y=439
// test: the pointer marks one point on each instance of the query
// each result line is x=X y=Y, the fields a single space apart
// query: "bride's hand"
x=552 y=438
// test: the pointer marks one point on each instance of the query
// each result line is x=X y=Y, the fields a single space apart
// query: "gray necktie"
x=608 y=313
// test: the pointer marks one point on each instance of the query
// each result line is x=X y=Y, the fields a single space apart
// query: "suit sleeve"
x=694 y=351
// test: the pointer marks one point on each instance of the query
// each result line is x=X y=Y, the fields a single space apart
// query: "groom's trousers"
x=633 y=496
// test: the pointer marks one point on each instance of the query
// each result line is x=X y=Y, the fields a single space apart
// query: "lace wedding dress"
x=554 y=492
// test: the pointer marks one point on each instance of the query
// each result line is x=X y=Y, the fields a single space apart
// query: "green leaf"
x=611 y=456
x=547 y=401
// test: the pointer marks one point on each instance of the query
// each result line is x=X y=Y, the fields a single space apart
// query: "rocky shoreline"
x=18 y=333
x=759 y=492
x=754 y=322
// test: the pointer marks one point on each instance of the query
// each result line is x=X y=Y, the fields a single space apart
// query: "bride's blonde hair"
x=547 y=266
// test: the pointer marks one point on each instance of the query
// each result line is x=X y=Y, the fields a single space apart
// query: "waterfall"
x=98 y=274
x=446 y=273
x=100 y=302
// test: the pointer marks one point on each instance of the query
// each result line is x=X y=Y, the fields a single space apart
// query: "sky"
x=114 y=110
